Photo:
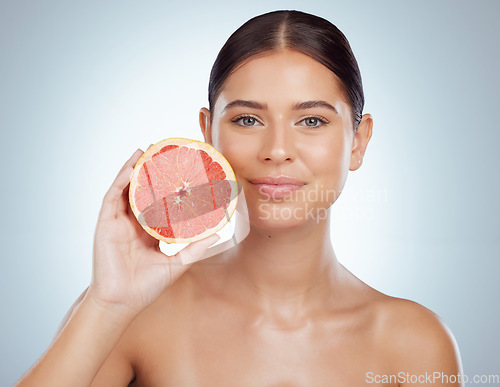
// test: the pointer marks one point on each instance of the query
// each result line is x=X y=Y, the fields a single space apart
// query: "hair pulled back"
x=300 y=31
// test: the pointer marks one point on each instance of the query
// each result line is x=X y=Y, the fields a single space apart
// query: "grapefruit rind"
x=179 y=141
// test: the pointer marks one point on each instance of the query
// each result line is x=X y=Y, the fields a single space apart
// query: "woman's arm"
x=129 y=272
x=69 y=314
x=82 y=346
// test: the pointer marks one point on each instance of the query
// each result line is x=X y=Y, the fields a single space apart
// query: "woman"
x=285 y=109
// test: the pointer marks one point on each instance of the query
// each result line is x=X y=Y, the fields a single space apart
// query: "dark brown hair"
x=300 y=31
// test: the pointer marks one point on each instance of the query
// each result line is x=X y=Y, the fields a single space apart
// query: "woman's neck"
x=285 y=274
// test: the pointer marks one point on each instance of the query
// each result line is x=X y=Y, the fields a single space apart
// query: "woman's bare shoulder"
x=407 y=321
x=416 y=338
x=403 y=316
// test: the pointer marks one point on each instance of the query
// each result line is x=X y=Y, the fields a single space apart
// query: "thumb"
x=195 y=251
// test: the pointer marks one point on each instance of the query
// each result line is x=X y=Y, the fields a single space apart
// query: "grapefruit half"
x=182 y=190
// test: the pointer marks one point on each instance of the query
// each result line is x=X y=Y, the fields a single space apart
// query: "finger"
x=195 y=251
x=114 y=194
x=123 y=203
x=177 y=264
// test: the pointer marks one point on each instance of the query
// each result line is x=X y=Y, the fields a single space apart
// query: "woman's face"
x=262 y=133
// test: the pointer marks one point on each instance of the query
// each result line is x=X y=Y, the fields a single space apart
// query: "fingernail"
x=215 y=237
x=209 y=241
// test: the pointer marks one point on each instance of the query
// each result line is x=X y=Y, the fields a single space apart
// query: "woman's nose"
x=277 y=144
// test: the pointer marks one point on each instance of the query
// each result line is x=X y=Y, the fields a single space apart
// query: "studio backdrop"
x=84 y=84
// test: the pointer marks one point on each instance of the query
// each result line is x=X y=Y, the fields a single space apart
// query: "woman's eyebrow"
x=313 y=104
x=297 y=106
x=249 y=104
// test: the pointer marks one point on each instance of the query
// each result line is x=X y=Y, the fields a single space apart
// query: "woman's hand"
x=129 y=270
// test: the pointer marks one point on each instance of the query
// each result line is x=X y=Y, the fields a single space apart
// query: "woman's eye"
x=247 y=120
x=314 y=121
x=311 y=122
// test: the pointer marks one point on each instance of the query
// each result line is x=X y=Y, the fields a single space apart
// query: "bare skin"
x=279 y=309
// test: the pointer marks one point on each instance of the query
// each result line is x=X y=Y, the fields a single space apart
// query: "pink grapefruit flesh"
x=182 y=190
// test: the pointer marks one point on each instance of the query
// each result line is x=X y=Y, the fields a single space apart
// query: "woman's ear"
x=205 y=125
x=360 y=142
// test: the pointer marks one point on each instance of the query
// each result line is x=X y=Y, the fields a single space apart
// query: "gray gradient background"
x=84 y=84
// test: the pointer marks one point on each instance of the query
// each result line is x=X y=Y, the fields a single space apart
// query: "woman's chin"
x=275 y=217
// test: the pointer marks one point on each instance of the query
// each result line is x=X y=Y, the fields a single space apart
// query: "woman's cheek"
x=237 y=154
x=328 y=166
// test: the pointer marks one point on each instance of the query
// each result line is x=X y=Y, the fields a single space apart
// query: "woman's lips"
x=277 y=187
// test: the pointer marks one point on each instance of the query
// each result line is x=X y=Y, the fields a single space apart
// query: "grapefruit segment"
x=182 y=190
